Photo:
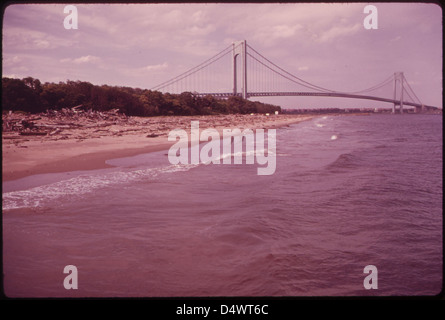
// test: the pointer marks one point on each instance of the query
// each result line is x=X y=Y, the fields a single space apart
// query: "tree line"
x=30 y=95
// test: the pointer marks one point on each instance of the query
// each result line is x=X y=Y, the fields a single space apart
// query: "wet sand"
x=87 y=147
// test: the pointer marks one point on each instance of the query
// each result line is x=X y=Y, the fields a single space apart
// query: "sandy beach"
x=86 y=144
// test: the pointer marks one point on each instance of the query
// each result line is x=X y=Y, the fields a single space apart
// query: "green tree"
x=16 y=95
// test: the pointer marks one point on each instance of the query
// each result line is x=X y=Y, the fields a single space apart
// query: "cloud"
x=395 y=39
x=156 y=67
x=414 y=83
x=42 y=44
x=86 y=59
x=200 y=31
x=15 y=65
x=338 y=31
x=11 y=75
x=82 y=60
x=11 y=60
x=22 y=38
x=284 y=31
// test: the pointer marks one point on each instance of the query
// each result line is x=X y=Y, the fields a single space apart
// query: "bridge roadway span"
x=319 y=94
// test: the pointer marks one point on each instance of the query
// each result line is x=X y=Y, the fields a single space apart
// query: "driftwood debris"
x=33 y=133
x=52 y=122
x=153 y=135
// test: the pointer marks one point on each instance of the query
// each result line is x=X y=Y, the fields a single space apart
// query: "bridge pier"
x=239 y=48
x=420 y=109
x=399 y=109
x=398 y=79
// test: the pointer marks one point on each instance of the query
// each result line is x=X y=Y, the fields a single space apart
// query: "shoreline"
x=89 y=149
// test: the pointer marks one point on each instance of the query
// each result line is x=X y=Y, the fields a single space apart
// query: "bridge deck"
x=319 y=94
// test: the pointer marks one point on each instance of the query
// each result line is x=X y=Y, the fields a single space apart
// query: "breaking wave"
x=80 y=185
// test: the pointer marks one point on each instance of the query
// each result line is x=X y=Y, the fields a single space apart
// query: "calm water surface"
x=347 y=192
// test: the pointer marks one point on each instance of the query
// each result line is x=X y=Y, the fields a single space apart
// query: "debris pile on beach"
x=81 y=124
x=54 y=122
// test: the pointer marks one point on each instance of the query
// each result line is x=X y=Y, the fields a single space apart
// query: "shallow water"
x=347 y=192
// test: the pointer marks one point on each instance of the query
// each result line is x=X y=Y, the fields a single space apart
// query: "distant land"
x=30 y=95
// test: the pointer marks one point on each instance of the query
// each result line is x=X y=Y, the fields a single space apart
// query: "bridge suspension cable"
x=389 y=80
x=297 y=80
x=287 y=75
x=277 y=72
x=412 y=91
x=194 y=70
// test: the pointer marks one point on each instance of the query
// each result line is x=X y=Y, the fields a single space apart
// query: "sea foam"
x=81 y=185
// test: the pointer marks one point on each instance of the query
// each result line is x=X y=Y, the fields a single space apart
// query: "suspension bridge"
x=241 y=66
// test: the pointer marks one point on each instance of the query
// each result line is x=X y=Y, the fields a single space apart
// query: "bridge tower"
x=398 y=85
x=239 y=49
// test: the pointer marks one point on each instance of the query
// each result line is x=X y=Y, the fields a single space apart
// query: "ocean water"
x=348 y=192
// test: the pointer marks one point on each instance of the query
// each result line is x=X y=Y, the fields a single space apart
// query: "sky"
x=143 y=45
